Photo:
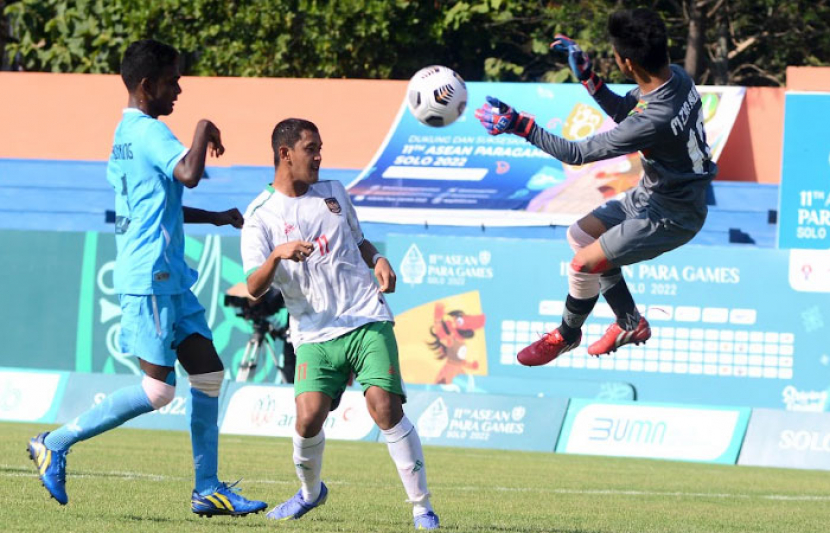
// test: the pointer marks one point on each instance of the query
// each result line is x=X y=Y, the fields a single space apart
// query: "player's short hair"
x=640 y=35
x=146 y=59
x=287 y=133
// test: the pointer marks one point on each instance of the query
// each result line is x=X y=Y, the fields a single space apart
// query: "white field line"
x=16 y=471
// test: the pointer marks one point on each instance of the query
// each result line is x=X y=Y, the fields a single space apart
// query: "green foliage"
x=482 y=39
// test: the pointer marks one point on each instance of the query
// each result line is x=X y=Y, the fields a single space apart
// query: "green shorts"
x=370 y=351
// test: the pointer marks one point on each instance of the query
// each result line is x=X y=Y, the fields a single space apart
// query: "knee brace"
x=158 y=392
x=210 y=384
x=581 y=284
x=578 y=238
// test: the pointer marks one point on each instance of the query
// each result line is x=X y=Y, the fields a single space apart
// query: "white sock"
x=405 y=449
x=308 y=462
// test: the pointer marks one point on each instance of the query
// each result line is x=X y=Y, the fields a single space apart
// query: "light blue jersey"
x=149 y=231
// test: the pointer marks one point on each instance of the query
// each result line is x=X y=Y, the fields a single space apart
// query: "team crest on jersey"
x=333 y=205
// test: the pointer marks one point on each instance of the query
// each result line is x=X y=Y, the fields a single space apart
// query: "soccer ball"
x=436 y=96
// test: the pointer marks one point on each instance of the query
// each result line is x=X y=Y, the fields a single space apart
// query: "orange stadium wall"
x=72 y=116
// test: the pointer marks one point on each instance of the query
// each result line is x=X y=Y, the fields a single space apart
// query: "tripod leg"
x=248 y=362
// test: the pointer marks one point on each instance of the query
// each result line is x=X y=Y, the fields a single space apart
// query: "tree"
x=748 y=42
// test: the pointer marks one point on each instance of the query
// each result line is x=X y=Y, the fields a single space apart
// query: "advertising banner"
x=492 y=421
x=786 y=439
x=84 y=391
x=720 y=336
x=269 y=411
x=30 y=396
x=460 y=175
x=703 y=434
x=804 y=214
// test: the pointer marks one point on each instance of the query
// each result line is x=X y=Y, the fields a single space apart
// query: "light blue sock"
x=204 y=434
x=120 y=406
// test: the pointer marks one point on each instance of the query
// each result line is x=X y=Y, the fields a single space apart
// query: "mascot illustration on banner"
x=442 y=339
x=450 y=334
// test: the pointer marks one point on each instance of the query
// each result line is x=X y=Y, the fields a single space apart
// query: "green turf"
x=131 y=480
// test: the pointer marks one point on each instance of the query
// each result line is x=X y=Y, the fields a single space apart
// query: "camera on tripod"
x=260 y=314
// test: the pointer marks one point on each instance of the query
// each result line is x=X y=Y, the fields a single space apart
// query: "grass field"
x=132 y=480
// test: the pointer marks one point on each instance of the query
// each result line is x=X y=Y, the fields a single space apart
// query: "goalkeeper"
x=662 y=119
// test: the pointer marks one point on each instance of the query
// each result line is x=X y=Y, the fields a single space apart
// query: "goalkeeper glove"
x=498 y=117
x=579 y=61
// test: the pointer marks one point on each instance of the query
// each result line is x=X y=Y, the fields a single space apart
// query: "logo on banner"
x=434 y=420
x=654 y=431
x=456 y=269
x=805 y=401
x=469 y=423
x=413 y=268
x=804 y=441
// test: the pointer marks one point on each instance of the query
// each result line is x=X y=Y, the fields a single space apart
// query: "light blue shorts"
x=153 y=326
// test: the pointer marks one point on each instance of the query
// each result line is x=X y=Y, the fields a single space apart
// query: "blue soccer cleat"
x=51 y=467
x=427 y=520
x=224 y=501
x=296 y=507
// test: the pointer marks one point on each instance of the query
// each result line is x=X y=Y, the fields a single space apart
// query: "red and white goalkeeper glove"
x=498 y=117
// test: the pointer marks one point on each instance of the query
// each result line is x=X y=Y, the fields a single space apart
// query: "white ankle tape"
x=158 y=392
x=210 y=383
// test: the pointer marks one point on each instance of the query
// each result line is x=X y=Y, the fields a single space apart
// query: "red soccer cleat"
x=616 y=337
x=546 y=349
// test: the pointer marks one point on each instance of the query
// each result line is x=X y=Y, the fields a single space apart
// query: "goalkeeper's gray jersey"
x=666 y=126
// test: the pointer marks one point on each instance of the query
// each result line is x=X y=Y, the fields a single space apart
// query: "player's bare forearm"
x=380 y=265
x=368 y=252
x=231 y=217
x=191 y=168
x=260 y=279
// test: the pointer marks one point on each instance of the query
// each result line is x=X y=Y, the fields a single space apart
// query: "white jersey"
x=333 y=291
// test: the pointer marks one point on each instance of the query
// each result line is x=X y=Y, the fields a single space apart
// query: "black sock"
x=576 y=312
x=622 y=303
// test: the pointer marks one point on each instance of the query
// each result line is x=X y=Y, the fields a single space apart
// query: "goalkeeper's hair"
x=640 y=35
x=287 y=133
x=146 y=59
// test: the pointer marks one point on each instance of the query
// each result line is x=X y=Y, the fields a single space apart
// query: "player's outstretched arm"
x=260 y=279
x=614 y=105
x=191 y=168
x=383 y=270
x=231 y=217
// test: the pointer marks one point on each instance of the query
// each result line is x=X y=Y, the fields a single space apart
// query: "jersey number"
x=695 y=154
x=323 y=244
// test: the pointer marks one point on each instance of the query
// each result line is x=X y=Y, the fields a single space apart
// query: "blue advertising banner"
x=804 y=214
x=789 y=440
x=730 y=326
x=656 y=431
x=492 y=421
x=460 y=175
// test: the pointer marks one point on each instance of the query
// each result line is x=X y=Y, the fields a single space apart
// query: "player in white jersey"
x=302 y=235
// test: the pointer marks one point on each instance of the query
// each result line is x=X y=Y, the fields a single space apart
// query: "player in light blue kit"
x=161 y=318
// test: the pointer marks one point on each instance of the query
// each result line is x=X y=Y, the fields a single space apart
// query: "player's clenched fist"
x=294 y=250
x=385 y=275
